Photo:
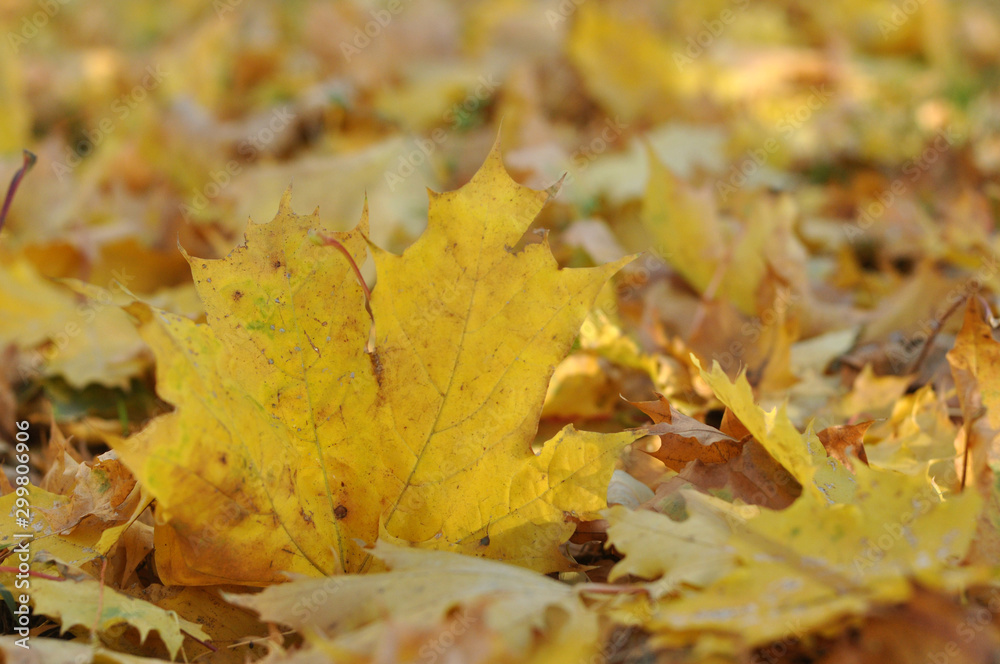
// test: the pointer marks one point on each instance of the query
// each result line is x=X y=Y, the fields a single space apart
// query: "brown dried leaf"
x=931 y=627
x=753 y=477
x=731 y=426
x=841 y=439
x=684 y=439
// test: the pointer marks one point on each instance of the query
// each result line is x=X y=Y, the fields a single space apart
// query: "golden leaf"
x=291 y=440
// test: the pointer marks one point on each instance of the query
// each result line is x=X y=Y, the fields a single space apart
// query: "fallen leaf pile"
x=693 y=359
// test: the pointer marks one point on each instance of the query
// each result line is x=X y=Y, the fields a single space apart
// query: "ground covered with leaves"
x=511 y=331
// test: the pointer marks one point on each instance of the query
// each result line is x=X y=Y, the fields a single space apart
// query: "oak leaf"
x=292 y=438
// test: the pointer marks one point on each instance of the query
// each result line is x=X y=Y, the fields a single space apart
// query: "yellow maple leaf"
x=290 y=440
x=624 y=64
x=79 y=527
x=814 y=563
x=848 y=542
x=353 y=614
x=57 y=651
x=716 y=259
x=90 y=342
x=86 y=602
x=773 y=429
x=692 y=551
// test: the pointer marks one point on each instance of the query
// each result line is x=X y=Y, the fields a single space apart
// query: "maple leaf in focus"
x=290 y=440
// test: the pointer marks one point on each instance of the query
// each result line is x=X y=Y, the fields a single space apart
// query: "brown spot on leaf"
x=237 y=295
x=376 y=365
x=340 y=512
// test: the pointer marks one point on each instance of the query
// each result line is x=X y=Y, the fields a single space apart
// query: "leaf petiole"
x=31 y=572
x=29 y=161
x=331 y=242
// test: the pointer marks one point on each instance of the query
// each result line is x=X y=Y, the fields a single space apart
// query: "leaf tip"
x=363 y=226
x=285 y=205
x=553 y=189
x=494 y=160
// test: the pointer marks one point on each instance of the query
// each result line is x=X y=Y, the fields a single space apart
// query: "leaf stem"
x=938 y=324
x=200 y=642
x=331 y=242
x=30 y=572
x=29 y=161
